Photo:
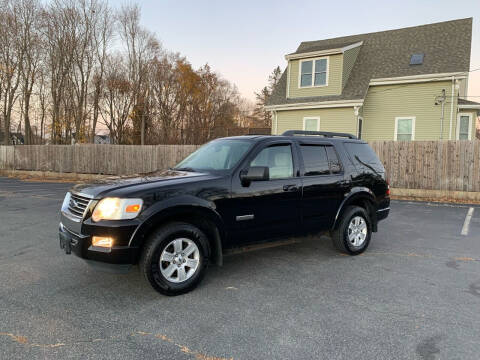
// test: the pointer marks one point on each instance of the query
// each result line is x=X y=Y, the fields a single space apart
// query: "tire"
x=171 y=242
x=340 y=236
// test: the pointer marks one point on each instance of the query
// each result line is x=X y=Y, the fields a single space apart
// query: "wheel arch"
x=362 y=197
x=199 y=215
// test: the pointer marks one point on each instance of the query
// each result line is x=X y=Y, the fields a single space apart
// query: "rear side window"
x=333 y=161
x=364 y=157
x=319 y=160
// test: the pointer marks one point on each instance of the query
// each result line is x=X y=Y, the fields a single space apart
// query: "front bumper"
x=81 y=245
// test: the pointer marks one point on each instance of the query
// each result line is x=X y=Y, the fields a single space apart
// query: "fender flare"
x=363 y=193
x=181 y=205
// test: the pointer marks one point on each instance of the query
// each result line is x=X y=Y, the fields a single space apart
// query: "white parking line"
x=466 y=223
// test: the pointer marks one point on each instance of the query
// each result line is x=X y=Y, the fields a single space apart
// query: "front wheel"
x=353 y=233
x=175 y=258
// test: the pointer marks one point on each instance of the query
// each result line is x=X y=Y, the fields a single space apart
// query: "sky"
x=245 y=40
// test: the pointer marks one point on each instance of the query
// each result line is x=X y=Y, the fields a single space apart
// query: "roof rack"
x=322 y=133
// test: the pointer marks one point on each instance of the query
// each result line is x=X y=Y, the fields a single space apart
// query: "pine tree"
x=263 y=96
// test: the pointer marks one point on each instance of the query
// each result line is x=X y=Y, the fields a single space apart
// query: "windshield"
x=217 y=155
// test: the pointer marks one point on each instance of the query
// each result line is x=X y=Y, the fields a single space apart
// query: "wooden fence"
x=435 y=165
x=93 y=159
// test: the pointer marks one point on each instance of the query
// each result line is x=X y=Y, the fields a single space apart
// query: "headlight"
x=117 y=209
x=66 y=201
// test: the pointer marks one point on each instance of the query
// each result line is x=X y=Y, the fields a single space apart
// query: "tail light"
x=388 y=188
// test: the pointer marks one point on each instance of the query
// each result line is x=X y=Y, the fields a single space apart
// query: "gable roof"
x=386 y=54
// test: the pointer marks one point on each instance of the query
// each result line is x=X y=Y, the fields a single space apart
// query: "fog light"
x=100 y=241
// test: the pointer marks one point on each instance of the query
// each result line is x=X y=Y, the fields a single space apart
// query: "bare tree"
x=141 y=49
x=60 y=80
x=118 y=99
x=102 y=37
x=59 y=30
x=31 y=49
x=10 y=62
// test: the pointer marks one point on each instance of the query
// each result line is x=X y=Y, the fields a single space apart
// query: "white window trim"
x=313 y=72
x=413 y=118
x=311 y=118
x=469 y=125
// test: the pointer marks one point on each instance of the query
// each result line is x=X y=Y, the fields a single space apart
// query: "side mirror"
x=254 y=173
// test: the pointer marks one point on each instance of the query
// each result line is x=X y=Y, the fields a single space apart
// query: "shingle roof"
x=446 y=46
x=467 y=102
x=327 y=46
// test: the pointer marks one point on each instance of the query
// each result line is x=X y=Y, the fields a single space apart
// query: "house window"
x=404 y=128
x=313 y=72
x=311 y=123
x=306 y=79
x=464 y=127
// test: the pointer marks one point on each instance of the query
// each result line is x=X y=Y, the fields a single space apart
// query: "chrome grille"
x=77 y=205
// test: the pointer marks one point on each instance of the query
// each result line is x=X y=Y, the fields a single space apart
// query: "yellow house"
x=404 y=84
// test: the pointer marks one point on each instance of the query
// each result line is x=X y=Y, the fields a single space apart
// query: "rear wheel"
x=175 y=258
x=353 y=233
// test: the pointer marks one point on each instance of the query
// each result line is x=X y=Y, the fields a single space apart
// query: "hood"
x=101 y=187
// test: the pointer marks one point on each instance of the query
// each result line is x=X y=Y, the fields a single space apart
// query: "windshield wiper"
x=189 y=169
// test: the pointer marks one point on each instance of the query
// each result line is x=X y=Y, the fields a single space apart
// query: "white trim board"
x=473 y=107
x=322 y=52
x=417 y=78
x=413 y=118
x=316 y=105
x=312 y=118
x=470 y=121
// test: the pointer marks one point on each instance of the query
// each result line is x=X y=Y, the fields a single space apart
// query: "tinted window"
x=333 y=161
x=364 y=157
x=278 y=159
x=315 y=160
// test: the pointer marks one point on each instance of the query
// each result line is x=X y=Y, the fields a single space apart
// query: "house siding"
x=349 y=58
x=384 y=103
x=331 y=119
x=334 y=87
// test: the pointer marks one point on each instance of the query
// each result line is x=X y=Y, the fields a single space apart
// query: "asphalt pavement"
x=415 y=294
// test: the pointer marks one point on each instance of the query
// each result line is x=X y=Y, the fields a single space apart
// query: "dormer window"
x=314 y=72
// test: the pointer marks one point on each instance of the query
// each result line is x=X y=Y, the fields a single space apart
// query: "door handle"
x=291 y=187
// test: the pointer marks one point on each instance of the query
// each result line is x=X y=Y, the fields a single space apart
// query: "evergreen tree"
x=262 y=98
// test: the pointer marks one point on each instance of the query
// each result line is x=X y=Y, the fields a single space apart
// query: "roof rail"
x=322 y=133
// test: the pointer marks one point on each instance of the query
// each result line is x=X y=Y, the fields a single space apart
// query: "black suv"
x=229 y=193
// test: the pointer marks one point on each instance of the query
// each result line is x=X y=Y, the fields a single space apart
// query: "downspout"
x=451 y=109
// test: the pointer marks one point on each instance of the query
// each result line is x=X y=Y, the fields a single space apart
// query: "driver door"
x=270 y=208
